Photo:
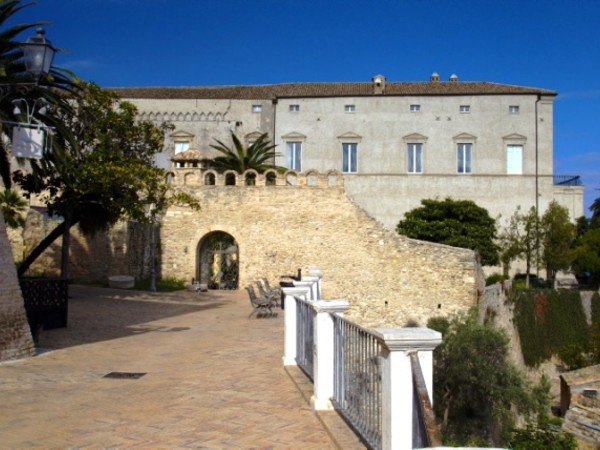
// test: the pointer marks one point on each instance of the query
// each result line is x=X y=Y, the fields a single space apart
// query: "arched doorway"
x=218 y=261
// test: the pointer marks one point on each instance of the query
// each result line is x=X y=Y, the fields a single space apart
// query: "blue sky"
x=541 y=43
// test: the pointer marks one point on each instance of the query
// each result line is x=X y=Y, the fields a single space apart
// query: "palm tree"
x=13 y=205
x=260 y=155
x=17 y=83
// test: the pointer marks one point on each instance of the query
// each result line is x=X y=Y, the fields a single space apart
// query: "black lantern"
x=38 y=54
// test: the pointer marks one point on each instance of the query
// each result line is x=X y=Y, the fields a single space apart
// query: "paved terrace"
x=214 y=379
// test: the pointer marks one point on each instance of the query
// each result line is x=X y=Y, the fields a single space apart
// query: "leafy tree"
x=99 y=170
x=520 y=239
x=13 y=205
x=595 y=208
x=459 y=223
x=476 y=386
x=586 y=257
x=258 y=156
x=558 y=234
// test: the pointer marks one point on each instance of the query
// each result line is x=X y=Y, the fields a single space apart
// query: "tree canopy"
x=557 y=233
x=459 y=223
x=99 y=169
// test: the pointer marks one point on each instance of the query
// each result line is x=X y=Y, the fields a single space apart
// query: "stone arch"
x=271 y=177
x=217 y=261
x=169 y=177
x=188 y=178
x=312 y=178
x=291 y=178
x=250 y=177
x=230 y=178
x=333 y=178
x=210 y=178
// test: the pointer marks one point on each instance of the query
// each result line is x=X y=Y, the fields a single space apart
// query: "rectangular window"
x=293 y=156
x=294 y=108
x=513 y=109
x=514 y=160
x=414 y=153
x=465 y=108
x=349 y=158
x=182 y=146
x=256 y=108
x=349 y=108
x=464 y=158
x=415 y=108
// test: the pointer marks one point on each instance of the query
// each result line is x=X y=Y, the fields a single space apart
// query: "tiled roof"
x=299 y=90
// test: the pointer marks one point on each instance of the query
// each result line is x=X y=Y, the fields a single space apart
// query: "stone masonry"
x=303 y=220
x=15 y=336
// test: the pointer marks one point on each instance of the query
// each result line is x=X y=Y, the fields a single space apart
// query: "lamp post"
x=38 y=55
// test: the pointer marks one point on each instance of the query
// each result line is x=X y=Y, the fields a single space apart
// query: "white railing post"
x=308 y=285
x=315 y=272
x=290 y=332
x=397 y=384
x=314 y=287
x=323 y=370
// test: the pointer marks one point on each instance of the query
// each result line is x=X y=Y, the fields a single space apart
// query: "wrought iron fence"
x=46 y=302
x=567 y=180
x=305 y=339
x=357 y=379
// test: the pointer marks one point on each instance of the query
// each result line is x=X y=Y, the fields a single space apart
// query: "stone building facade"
x=396 y=142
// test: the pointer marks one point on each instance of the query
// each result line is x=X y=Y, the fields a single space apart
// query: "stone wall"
x=387 y=278
x=15 y=336
x=301 y=220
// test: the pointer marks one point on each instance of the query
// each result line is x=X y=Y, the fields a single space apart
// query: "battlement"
x=198 y=177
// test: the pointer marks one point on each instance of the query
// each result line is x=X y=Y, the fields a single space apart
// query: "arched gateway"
x=218 y=261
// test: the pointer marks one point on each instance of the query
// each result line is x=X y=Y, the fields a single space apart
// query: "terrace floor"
x=213 y=379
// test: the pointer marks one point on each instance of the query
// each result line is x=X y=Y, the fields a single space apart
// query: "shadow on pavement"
x=99 y=314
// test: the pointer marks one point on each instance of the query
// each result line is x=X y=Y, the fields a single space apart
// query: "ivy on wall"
x=550 y=321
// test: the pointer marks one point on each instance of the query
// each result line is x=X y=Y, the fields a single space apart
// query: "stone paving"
x=213 y=379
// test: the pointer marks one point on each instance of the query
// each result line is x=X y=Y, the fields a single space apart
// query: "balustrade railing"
x=357 y=378
x=305 y=339
x=379 y=380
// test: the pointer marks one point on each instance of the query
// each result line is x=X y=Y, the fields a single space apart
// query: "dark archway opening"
x=218 y=261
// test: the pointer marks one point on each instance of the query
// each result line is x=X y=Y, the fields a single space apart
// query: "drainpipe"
x=537 y=194
x=275 y=102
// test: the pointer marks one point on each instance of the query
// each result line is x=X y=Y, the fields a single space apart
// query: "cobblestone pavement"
x=213 y=379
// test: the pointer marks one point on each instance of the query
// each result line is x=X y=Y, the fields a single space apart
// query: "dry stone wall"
x=295 y=221
x=15 y=336
x=388 y=279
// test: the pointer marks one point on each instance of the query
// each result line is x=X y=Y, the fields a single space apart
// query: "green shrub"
x=538 y=438
x=548 y=320
x=572 y=356
x=494 y=278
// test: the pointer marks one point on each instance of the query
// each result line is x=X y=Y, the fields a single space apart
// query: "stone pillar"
x=323 y=373
x=397 y=384
x=15 y=335
x=290 y=334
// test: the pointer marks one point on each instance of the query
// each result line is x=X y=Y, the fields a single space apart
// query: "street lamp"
x=38 y=54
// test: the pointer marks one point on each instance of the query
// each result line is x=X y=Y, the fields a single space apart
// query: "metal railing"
x=357 y=379
x=305 y=340
x=426 y=432
x=567 y=180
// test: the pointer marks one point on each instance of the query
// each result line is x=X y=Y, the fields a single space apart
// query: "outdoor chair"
x=259 y=303
x=265 y=290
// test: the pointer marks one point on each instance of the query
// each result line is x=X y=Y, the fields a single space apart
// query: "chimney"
x=454 y=78
x=434 y=77
x=378 y=84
